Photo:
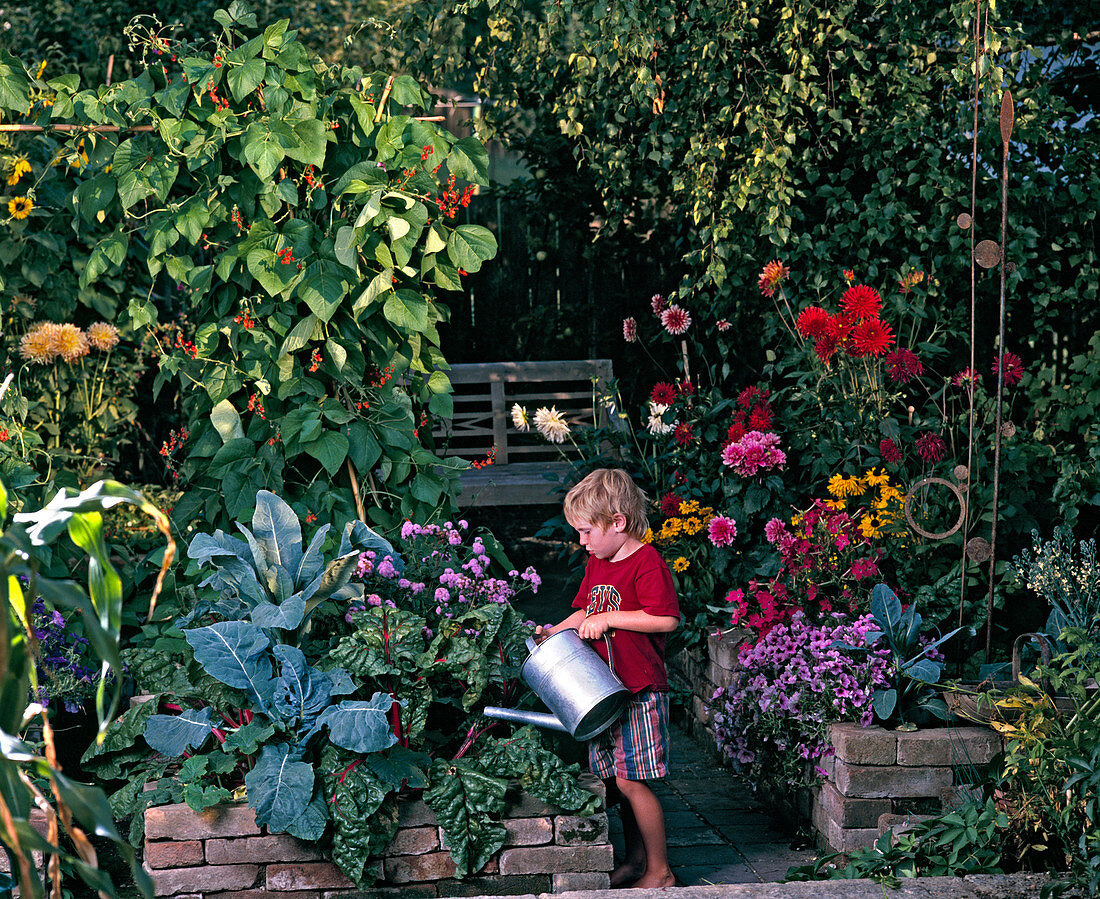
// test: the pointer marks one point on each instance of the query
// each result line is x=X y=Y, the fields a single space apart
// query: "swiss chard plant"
x=298 y=221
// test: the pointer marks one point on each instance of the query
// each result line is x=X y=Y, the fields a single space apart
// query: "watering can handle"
x=531 y=644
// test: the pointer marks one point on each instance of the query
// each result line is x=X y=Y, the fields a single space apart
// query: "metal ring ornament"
x=942 y=535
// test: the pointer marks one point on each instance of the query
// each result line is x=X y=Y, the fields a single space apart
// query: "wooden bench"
x=527 y=468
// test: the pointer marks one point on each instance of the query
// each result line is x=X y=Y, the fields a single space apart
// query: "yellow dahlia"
x=103 y=336
x=36 y=345
x=20 y=207
x=71 y=343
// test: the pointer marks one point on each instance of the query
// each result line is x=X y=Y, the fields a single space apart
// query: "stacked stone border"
x=221 y=854
x=876 y=778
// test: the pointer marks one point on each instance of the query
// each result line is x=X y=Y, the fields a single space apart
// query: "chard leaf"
x=468 y=804
x=399 y=767
x=462 y=646
x=364 y=816
x=286 y=616
x=233 y=652
x=357 y=725
x=279 y=787
x=540 y=772
x=112 y=758
x=385 y=641
x=173 y=735
x=301 y=692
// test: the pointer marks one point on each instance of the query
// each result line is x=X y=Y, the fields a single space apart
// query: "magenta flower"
x=722 y=530
x=630 y=330
x=676 y=320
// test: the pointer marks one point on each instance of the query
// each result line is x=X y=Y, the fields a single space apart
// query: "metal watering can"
x=576 y=685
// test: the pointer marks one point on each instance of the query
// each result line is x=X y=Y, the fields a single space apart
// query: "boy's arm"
x=595 y=626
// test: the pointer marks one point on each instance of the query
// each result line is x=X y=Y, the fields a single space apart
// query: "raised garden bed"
x=222 y=854
x=874 y=773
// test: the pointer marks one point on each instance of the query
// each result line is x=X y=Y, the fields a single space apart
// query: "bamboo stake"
x=382 y=102
x=360 y=510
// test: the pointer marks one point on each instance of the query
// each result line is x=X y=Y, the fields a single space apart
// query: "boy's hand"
x=542 y=631
x=594 y=626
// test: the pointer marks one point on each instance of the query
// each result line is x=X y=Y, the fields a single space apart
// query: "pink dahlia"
x=657 y=303
x=630 y=330
x=722 y=530
x=676 y=320
x=774 y=530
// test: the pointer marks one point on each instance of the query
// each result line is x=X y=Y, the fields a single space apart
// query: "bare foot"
x=655 y=880
x=626 y=874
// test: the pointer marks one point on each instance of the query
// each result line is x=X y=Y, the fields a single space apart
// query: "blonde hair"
x=605 y=493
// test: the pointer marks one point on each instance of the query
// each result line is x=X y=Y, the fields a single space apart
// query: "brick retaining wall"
x=875 y=773
x=222 y=854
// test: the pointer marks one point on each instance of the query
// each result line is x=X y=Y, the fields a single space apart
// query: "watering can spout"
x=539 y=719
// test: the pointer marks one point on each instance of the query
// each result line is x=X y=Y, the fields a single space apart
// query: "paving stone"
x=707 y=874
x=693 y=836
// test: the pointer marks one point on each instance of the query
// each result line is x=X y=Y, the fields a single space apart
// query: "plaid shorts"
x=637 y=747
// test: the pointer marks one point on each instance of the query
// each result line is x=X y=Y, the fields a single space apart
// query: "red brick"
x=412 y=868
x=948 y=746
x=275 y=848
x=203 y=879
x=556 y=859
x=181 y=822
x=850 y=811
x=877 y=782
x=414 y=841
x=174 y=854
x=863 y=745
x=576 y=830
x=307 y=876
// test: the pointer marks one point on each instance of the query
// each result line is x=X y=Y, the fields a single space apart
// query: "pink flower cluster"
x=753 y=453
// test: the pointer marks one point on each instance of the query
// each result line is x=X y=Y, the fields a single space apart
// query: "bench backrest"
x=484 y=393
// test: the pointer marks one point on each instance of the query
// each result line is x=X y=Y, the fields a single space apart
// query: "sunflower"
x=20 y=207
x=18 y=170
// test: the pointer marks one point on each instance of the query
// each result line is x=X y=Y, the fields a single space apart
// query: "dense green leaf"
x=468 y=804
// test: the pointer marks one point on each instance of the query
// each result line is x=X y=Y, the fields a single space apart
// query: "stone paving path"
x=717 y=831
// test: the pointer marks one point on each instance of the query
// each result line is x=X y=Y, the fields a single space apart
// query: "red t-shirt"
x=640 y=581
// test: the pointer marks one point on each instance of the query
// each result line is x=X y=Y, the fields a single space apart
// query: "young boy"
x=627 y=594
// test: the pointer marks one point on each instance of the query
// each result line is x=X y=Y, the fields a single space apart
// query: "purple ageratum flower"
x=386 y=569
x=374 y=600
x=442 y=595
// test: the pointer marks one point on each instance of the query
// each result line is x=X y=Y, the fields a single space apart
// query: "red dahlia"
x=670 y=505
x=683 y=433
x=736 y=432
x=872 y=337
x=902 y=365
x=930 y=447
x=889 y=451
x=774 y=272
x=812 y=321
x=861 y=301
x=761 y=418
x=1013 y=369
x=663 y=394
